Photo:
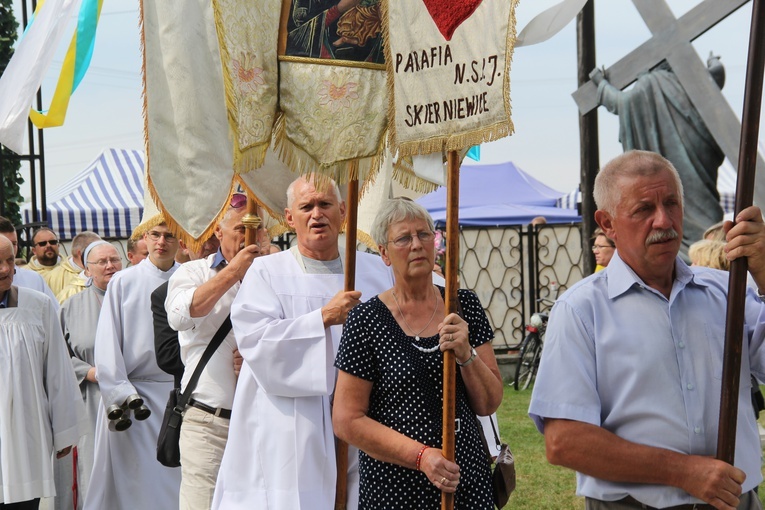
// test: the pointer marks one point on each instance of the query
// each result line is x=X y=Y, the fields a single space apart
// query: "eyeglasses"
x=105 y=262
x=596 y=247
x=405 y=241
x=52 y=242
x=155 y=236
x=238 y=200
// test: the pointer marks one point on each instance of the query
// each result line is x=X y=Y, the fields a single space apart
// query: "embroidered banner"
x=189 y=145
x=247 y=34
x=332 y=87
x=448 y=67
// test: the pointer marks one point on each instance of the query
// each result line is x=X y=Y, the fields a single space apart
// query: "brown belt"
x=217 y=411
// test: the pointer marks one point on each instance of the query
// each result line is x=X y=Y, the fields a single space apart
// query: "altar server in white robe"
x=126 y=474
x=287 y=320
x=41 y=411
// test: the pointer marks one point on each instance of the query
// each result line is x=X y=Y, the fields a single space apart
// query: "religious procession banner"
x=448 y=65
x=250 y=75
x=190 y=136
x=333 y=98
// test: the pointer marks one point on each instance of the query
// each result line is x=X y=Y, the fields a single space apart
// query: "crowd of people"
x=627 y=393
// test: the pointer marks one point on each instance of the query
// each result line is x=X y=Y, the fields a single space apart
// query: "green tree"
x=10 y=175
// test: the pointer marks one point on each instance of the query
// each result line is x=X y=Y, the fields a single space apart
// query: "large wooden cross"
x=671 y=41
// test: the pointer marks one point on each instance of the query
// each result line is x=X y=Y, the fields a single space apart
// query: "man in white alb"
x=126 y=474
x=286 y=317
x=41 y=410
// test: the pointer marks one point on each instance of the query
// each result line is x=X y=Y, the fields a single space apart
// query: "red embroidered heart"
x=449 y=14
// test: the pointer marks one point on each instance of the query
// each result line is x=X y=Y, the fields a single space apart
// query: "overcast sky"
x=105 y=111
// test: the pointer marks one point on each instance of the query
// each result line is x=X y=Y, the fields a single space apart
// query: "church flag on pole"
x=448 y=73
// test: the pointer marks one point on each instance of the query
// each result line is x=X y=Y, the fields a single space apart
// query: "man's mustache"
x=660 y=236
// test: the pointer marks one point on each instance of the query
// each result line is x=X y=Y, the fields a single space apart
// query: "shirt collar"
x=4 y=301
x=218 y=261
x=621 y=277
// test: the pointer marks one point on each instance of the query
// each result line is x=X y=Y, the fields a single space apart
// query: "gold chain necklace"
x=435 y=307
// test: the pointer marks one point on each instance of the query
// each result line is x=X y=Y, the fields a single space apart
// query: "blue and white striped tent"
x=106 y=197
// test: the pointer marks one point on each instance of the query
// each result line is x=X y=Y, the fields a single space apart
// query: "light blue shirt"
x=619 y=355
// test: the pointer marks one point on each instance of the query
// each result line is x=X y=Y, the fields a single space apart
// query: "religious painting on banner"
x=347 y=30
x=332 y=92
x=448 y=67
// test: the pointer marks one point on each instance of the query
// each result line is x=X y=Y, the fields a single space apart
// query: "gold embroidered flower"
x=337 y=96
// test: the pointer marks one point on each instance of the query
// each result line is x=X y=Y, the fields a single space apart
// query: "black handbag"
x=503 y=473
x=168 y=447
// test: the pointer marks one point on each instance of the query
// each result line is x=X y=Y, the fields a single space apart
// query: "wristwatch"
x=472 y=357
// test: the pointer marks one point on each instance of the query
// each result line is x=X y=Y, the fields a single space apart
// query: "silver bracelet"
x=471 y=359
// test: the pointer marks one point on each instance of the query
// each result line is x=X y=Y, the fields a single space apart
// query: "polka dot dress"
x=407 y=397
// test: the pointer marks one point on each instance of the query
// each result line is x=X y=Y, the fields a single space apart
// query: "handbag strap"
x=496 y=436
x=217 y=339
x=493 y=428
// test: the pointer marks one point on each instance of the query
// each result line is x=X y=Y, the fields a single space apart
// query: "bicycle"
x=531 y=350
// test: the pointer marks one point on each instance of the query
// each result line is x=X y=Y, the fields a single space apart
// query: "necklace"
x=435 y=307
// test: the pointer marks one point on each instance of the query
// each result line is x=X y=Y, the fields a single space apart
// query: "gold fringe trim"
x=447 y=142
x=366 y=239
x=456 y=142
x=510 y=52
x=253 y=156
x=331 y=62
x=144 y=99
x=302 y=163
x=390 y=82
x=249 y=158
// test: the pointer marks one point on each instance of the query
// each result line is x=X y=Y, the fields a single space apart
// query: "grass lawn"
x=539 y=485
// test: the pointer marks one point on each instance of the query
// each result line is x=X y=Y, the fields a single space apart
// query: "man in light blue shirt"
x=628 y=392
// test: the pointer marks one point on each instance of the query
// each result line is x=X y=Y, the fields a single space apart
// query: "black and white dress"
x=407 y=397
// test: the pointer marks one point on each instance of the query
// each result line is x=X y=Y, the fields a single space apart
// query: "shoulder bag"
x=503 y=474
x=168 y=449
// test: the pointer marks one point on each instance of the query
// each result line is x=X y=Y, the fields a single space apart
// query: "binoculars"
x=119 y=415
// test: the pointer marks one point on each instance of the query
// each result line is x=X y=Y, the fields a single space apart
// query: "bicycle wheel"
x=535 y=365
x=525 y=370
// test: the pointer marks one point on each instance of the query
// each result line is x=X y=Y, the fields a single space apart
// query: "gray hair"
x=634 y=163
x=318 y=182
x=395 y=210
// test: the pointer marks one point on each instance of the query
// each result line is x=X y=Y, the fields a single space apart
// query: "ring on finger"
x=443 y=480
x=451 y=337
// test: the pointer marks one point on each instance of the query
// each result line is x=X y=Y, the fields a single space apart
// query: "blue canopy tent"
x=106 y=197
x=499 y=195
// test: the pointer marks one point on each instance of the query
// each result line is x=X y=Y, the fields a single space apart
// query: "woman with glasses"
x=603 y=248
x=79 y=319
x=388 y=398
